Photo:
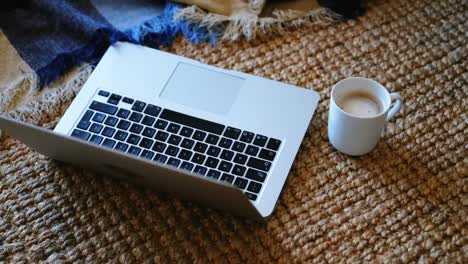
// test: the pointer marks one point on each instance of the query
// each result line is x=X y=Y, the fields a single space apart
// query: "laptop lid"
x=160 y=177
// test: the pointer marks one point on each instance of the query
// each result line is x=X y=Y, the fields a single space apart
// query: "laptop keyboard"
x=220 y=152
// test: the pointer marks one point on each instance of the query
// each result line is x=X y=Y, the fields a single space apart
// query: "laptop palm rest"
x=159 y=177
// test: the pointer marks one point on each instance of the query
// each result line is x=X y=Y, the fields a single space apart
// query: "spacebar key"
x=191 y=121
x=105 y=108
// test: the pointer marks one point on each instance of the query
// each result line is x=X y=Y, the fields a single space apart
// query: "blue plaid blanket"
x=53 y=36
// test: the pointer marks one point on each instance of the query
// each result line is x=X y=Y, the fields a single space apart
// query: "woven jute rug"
x=406 y=201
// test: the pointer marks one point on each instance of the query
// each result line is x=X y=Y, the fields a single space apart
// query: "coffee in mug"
x=360 y=104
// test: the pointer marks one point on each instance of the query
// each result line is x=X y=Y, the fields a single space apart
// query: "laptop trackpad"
x=201 y=88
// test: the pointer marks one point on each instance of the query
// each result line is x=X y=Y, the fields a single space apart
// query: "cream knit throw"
x=250 y=18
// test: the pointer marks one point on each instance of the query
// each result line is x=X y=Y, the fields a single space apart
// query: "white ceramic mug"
x=356 y=135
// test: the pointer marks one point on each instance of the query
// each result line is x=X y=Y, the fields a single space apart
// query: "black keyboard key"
x=109 y=143
x=123 y=113
x=247 y=137
x=267 y=154
x=173 y=162
x=227 y=155
x=146 y=143
x=152 y=110
x=149 y=132
x=187 y=143
x=123 y=124
x=159 y=146
x=134 y=150
x=191 y=121
x=172 y=151
x=240 y=183
x=99 y=117
x=121 y=147
x=200 y=170
x=108 y=131
x=87 y=116
x=96 y=139
x=138 y=106
x=239 y=146
x=135 y=117
x=128 y=100
x=213 y=174
x=212 y=139
x=259 y=164
x=111 y=121
x=214 y=151
x=114 y=99
x=161 y=136
x=121 y=135
x=251 y=196
x=83 y=124
x=133 y=139
x=187 y=166
x=104 y=108
x=252 y=150
x=186 y=132
x=212 y=162
x=160 y=158
x=199 y=135
x=173 y=128
x=200 y=147
x=233 y=133
x=161 y=124
x=103 y=93
x=274 y=144
x=174 y=140
x=96 y=128
x=225 y=143
x=254 y=187
x=240 y=159
x=256 y=175
x=146 y=154
x=225 y=166
x=148 y=120
x=260 y=140
x=198 y=158
x=136 y=128
x=227 y=178
x=185 y=154
x=239 y=170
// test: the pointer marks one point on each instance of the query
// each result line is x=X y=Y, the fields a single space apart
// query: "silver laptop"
x=222 y=138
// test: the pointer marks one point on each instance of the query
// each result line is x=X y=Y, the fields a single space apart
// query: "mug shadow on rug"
x=380 y=197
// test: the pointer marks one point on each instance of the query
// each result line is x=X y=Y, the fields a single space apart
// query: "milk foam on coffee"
x=360 y=104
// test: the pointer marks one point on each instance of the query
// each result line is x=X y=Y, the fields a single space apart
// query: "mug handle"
x=396 y=107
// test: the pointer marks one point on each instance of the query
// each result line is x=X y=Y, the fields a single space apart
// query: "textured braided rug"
x=406 y=201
